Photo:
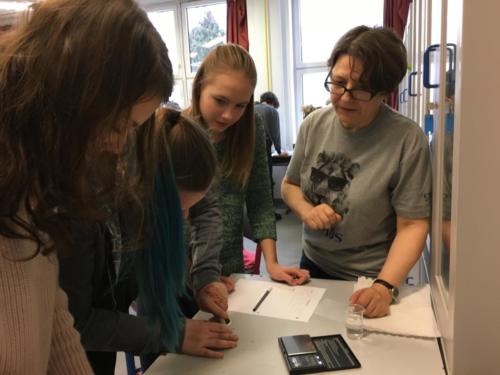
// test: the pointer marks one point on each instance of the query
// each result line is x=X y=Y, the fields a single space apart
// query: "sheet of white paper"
x=284 y=302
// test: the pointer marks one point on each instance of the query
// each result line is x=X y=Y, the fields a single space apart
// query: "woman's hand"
x=321 y=217
x=290 y=275
x=204 y=339
x=376 y=300
x=213 y=298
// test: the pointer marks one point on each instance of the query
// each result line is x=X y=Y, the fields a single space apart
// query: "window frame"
x=184 y=76
x=184 y=9
x=299 y=87
x=300 y=68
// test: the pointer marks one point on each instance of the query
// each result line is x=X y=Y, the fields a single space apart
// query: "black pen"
x=262 y=299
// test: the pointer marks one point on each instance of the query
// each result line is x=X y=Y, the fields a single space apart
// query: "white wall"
x=256 y=10
x=476 y=201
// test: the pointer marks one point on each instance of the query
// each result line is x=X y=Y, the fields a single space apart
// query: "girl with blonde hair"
x=222 y=101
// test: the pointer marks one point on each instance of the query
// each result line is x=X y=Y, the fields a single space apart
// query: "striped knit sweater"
x=36 y=330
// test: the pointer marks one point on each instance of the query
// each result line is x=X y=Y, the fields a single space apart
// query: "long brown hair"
x=193 y=157
x=68 y=77
x=238 y=155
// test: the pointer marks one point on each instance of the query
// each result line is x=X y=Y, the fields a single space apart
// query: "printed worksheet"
x=268 y=298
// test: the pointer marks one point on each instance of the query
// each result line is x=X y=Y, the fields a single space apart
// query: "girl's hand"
x=228 y=282
x=213 y=298
x=205 y=339
x=290 y=275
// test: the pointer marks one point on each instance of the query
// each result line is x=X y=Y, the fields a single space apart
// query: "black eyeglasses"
x=338 y=89
x=334 y=183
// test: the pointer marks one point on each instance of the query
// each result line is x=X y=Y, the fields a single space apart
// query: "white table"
x=258 y=351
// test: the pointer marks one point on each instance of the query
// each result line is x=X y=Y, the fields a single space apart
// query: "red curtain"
x=395 y=17
x=237 y=27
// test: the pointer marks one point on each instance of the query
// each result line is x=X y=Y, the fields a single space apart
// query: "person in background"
x=222 y=101
x=100 y=290
x=359 y=178
x=267 y=110
x=308 y=109
x=62 y=120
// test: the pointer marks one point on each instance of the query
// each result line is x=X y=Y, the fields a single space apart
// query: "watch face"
x=394 y=291
x=395 y=294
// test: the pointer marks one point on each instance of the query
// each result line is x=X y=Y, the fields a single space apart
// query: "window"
x=314 y=35
x=190 y=30
x=206 y=29
x=165 y=23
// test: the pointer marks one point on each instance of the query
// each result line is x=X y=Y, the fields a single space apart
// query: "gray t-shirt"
x=369 y=177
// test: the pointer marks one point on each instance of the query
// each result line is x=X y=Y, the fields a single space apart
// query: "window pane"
x=178 y=94
x=327 y=25
x=207 y=29
x=164 y=22
x=189 y=83
x=313 y=91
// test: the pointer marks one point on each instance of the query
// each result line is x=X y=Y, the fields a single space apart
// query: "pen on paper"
x=262 y=299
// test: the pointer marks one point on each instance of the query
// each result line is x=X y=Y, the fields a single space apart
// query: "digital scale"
x=305 y=354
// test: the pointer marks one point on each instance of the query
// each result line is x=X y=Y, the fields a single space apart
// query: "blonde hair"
x=308 y=109
x=238 y=156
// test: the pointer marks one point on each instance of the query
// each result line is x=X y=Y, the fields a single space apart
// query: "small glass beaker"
x=354 y=321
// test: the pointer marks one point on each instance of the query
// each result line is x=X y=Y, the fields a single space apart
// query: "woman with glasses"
x=359 y=178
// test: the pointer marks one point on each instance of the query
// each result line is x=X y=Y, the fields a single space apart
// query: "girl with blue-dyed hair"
x=194 y=163
x=157 y=273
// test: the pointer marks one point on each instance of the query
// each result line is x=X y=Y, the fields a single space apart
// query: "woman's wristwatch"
x=392 y=289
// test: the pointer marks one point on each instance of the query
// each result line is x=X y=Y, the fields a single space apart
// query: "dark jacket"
x=99 y=301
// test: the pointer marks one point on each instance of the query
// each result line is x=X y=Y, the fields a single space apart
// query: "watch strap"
x=384 y=283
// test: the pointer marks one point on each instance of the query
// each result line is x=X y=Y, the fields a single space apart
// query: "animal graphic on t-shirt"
x=330 y=180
